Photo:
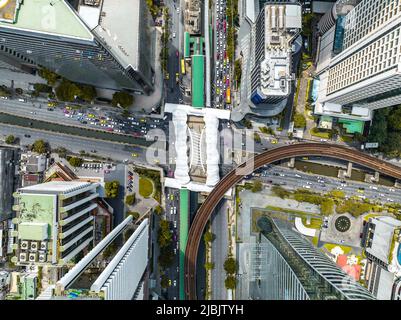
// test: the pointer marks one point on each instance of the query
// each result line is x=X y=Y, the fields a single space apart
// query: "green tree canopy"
x=299 y=120
x=209 y=265
x=164 y=282
x=130 y=199
x=10 y=139
x=230 y=265
x=135 y=215
x=257 y=186
x=279 y=191
x=48 y=75
x=67 y=91
x=111 y=189
x=209 y=236
x=230 y=282
x=158 y=210
x=256 y=137
x=40 y=146
x=123 y=99
x=87 y=93
x=75 y=161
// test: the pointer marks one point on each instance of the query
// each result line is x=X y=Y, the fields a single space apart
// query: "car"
x=169 y=282
x=27 y=135
x=175 y=224
x=373 y=187
x=359 y=191
x=175 y=251
x=297 y=175
x=175 y=283
x=173 y=34
x=178 y=10
x=306 y=186
x=274 y=141
x=177 y=53
x=21 y=100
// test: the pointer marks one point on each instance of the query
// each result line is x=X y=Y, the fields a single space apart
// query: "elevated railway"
x=268 y=157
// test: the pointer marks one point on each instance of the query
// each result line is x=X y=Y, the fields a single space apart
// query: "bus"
x=228 y=96
x=182 y=66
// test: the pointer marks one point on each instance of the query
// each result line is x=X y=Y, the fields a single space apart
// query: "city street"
x=219 y=251
x=294 y=179
x=172 y=215
x=115 y=151
x=174 y=94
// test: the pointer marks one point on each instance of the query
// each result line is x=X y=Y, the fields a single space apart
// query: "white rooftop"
x=119 y=29
x=383 y=236
x=57 y=186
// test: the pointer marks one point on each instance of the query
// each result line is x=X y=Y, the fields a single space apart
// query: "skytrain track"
x=268 y=157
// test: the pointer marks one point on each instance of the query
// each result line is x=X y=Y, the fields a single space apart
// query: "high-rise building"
x=307 y=273
x=358 y=62
x=276 y=28
x=382 y=242
x=8 y=184
x=54 y=222
x=104 y=43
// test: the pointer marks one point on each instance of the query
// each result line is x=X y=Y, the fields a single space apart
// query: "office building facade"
x=320 y=278
x=54 y=222
x=91 y=43
x=362 y=72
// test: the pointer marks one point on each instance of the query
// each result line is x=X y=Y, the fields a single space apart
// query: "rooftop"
x=120 y=35
x=44 y=16
x=383 y=236
x=282 y=24
x=57 y=186
x=198 y=81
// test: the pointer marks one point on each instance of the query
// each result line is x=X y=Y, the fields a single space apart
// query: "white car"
x=175 y=283
x=175 y=224
x=178 y=10
x=173 y=34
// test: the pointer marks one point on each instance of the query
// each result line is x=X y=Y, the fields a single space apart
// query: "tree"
x=230 y=282
x=256 y=137
x=279 y=191
x=164 y=236
x=230 y=265
x=122 y=99
x=87 y=93
x=299 y=120
x=337 y=194
x=48 y=75
x=75 y=161
x=392 y=146
x=209 y=236
x=257 y=186
x=111 y=189
x=67 y=91
x=19 y=91
x=166 y=257
x=327 y=207
x=40 y=87
x=378 y=130
x=40 y=146
x=135 y=215
x=209 y=265
x=10 y=139
x=164 y=282
x=394 y=119
x=130 y=199
x=158 y=210
x=247 y=123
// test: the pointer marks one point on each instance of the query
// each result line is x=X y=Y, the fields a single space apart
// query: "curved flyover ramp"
x=235 y=176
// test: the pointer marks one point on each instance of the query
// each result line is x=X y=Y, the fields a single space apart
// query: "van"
x=21 y=100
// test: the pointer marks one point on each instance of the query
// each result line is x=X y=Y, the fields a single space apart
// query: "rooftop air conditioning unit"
x=43 y=246
x=42 y=257
x=24 y=245
x=34 y=246
x=22 y=257
x=33 y=257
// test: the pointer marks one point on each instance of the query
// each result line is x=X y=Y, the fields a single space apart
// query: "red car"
x=225 y=54
x=218 y=55
x=225 y=25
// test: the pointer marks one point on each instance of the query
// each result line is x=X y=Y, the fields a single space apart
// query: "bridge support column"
x=291 y=163
x=349 y=170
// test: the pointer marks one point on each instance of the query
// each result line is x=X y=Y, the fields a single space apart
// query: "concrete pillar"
x=349 y=169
